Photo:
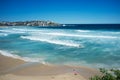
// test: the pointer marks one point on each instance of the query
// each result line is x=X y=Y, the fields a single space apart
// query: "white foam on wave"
x=27 y=30
x=83 y=31
x=59 y=42
x=84 y=63
x=19 y=30
x=94 y=36
x=3 y=34
x=57 y=33
x=12 y=31
x=78 y=35
x=24 y=30
x=27 y=59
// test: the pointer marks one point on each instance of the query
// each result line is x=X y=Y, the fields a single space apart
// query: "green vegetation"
x=112 y=74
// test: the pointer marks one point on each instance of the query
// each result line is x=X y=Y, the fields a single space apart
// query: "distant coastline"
x=50 y=24
x=29 y=23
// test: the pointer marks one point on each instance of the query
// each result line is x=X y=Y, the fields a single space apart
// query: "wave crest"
x=58 y=42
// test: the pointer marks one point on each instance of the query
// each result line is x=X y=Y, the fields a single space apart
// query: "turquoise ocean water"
x=93 y=48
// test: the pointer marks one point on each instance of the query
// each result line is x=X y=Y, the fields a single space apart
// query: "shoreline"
x=11 y=68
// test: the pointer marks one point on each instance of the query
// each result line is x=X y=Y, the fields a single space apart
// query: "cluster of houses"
x=29 y=23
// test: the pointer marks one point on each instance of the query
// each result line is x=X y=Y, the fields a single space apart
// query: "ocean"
x=95 y=46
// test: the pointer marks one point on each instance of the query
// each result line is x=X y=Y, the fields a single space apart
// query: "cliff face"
x=29 y=23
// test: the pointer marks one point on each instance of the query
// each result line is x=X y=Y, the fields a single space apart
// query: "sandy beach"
x=15 y=69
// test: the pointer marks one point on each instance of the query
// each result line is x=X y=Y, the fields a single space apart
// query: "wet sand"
x=15 y=69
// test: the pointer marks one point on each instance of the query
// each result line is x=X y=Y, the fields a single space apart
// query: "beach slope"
x=15 y=69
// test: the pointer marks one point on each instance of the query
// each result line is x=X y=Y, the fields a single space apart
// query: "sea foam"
x=78 y=35
x=3 y=34
x=83 y=31
x=27 y=59
x=58 y=42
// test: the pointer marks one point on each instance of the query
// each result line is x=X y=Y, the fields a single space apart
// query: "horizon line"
x=55 y=22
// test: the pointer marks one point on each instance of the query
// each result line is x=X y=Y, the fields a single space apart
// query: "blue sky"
x=61 y=11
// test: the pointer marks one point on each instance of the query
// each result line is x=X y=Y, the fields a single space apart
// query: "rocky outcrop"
x=29 y=23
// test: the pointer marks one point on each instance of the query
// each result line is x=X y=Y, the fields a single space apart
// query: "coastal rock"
x=29 y=23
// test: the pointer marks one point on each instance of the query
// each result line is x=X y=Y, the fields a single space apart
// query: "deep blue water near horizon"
x=88 y=26
x=68 y=45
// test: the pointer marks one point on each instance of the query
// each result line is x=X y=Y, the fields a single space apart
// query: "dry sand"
x=15 y=69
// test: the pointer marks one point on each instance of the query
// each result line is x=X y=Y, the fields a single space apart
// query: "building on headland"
x=29 y=23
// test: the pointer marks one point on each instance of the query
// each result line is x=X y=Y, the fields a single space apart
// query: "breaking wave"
x=77 y=35
x=62 y=46
x=58 y=42
x=27 y=59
